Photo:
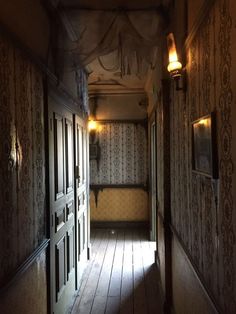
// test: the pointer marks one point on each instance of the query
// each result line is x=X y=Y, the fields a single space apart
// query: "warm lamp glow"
x=172 y=54
x=92 y=125
x=174 y=65
x=204 y=121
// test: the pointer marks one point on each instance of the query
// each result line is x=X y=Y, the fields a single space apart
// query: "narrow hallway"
x=121 y=276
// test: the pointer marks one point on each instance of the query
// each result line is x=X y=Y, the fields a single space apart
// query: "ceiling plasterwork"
x=117 y=46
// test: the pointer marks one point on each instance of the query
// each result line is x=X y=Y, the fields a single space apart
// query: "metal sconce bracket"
x=175 y=66
x=182 y=78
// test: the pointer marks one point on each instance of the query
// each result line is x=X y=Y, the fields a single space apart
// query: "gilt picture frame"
x=204 y=149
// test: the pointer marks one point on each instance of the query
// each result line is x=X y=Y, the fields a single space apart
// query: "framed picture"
x=204 y=151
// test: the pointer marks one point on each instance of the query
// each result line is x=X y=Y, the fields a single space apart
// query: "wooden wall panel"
x=188 y=295
x=29 y=293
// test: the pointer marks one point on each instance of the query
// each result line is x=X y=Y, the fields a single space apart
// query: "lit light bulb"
x=92 y=125
x=174 y=66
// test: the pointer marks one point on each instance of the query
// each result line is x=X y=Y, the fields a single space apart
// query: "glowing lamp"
x=92 y=125
x=174 y=67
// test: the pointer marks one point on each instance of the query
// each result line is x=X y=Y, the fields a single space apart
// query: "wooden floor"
x=121 y=276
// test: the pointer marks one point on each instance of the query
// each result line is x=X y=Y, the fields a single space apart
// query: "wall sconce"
x=94 y=147
x=92 y=128
x=175 y=66
x=92 y=125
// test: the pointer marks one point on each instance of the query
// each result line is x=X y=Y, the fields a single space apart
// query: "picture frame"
x=204 y=149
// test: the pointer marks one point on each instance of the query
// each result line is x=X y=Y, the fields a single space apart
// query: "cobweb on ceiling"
x=133 y=36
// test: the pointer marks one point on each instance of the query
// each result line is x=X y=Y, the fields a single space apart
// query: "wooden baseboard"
x=120 y=224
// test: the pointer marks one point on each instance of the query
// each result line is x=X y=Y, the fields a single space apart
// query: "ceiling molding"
x=110 y=5
x=203 y=12
x=116 y=92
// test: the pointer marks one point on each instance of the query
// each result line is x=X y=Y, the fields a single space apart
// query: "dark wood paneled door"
x=81 y=195
x=62 y=208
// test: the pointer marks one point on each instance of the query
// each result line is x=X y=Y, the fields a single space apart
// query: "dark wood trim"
x=157 y=259
x=119 y=186
x=199 y=277
x=152 y=120
x=207 y=5
x=158 y=8
x=61 y=97
x=120 y=224
x=24 y=266
x=160 y=216
x=154 y=109
x=143 y=122
x=167 y=196
x=93 y=92
x=47 y=202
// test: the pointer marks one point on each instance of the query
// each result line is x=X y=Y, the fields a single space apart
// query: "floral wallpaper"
x=203 y=210
x=22 y=173
x=123 y=157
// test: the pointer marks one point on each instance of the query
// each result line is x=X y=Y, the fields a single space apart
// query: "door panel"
x=81 y=186
x=69 y=155
x=59 y=156
x=70 y=251
x=62 y=231
x=60 y=267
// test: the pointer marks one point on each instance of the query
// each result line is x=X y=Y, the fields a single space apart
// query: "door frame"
x=153 y=153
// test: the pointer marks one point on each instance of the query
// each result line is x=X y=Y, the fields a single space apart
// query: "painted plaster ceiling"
x=117 y=40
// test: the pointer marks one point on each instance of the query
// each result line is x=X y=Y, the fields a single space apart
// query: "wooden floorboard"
x=115 y=281
x=140 y=298
x=100 y=237
x=121 y=276
x=126 y=305
x=100 y=299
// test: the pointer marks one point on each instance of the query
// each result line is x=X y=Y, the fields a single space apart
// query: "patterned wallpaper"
x=203 y=211
x=22 y=177
x=123 y=155
x=120 y=205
